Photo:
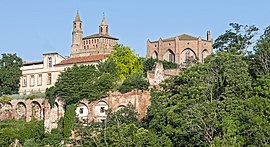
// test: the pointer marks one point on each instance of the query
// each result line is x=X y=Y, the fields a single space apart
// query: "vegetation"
x=126 y=61
x=134 y=81
x=21 y=130
x=149 y=64
x=69 y=120
x=10 y=74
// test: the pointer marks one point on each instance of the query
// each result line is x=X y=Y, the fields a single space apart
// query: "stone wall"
x=95 y=110
x=158 y=74
x=33 y=109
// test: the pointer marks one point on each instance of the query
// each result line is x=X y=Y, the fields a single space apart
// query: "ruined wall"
x=33 y=109
x=95 y=110
x=158 y=74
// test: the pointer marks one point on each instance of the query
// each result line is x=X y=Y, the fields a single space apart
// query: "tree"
x=209 y=104
x=10 y=73
x=126 y=61
x=236 y=39
x=262 y=53
x=81 y=82
x=134 y=81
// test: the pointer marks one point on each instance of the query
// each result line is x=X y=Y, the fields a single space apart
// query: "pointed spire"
x=77 y=16
x=103 y=22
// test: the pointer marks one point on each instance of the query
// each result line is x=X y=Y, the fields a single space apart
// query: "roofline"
x=32 y=63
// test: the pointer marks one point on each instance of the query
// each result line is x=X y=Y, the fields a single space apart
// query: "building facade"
x=179 y=49
x=100 y=43
x=40 y=75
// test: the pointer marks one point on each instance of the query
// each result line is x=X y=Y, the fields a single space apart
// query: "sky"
x=30 y=28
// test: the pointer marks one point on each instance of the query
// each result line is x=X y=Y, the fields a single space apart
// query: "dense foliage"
x=11 y=130
x=10 y=73
x=134 y=81
x=127 y=62
x=69 y=120
x=81 y=82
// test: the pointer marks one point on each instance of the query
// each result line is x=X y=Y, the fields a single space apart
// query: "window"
x=32 y=80
x=81 y=111
x=24 y=84
x=101 y=29
x=49 y=79
x=102 y=109
x=49 y=61
x=39 y=80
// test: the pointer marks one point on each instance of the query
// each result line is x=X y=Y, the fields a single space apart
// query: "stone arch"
x=55 y=112
x=205 y=53
x=82 y=110
x=120 y=107
x=154 y=55
x=21 y=111
x=6 y=111
x=100 y=109
x=36 y=111
x=187 y=54
x=169 y=56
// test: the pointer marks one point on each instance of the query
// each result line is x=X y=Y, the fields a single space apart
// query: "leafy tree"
x=205 y=104
x=10 y=73
x=82 y=82
x=236 y=39
x=134 y=81
x=126 y=61
x=262 y=54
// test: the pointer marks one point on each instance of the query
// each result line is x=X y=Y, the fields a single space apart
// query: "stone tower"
x=103 y=27
x=77 y=35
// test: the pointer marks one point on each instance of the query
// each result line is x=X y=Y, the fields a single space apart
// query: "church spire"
x=77 y=17
x=103 y=27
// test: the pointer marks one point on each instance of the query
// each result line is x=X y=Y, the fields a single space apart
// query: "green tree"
x=127 y=62
x=82 y=82
x=10 y=73
x=236 y=39
x=262 y=54
x=134 y=81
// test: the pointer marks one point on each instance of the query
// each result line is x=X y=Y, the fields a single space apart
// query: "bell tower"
x=77 y=35
x=103 y=27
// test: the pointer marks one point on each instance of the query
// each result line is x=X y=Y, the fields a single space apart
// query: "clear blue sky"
x=31 y=27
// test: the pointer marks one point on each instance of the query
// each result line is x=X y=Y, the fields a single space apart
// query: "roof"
x=100 y=36
x=103 y=22
x=32 y=63
x=181 y=37
x=77 y=18
x=84 y=59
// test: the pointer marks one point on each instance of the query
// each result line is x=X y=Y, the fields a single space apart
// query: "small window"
x=102 y=109
x=49 y=61
x=39 y=80
x=24 y=84
x=32 y=80
x=81 y=111
x=49 y=79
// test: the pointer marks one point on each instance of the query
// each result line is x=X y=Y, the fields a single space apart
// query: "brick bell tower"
x=77 y=35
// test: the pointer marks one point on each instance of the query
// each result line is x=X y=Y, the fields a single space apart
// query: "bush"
x=135 y=81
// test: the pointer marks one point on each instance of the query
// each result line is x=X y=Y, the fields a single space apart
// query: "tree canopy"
x=10 y=73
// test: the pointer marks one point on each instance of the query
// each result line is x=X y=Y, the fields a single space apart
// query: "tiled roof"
x=99 y=36
x=84 y=59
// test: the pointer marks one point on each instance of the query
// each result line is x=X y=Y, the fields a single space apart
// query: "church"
x=92 y=49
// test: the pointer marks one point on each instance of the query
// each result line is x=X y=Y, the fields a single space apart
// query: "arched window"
x=155 y=55
x=101 y=29
x=169 y=56
x=204 y=54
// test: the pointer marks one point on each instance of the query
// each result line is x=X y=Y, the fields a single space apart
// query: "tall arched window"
x=171 y=56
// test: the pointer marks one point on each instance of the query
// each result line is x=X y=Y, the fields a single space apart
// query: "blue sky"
x=30 y=28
